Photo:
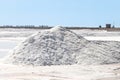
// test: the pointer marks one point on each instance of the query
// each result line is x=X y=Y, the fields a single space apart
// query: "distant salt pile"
x=59 y=46
x=100 y=52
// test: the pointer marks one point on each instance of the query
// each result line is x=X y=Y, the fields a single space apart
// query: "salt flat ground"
x=9 y=38
x=73 y=72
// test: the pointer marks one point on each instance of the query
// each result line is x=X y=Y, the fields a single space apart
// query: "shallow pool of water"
x=6 y=46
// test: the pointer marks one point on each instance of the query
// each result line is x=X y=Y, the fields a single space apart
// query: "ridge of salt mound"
x=57 y=46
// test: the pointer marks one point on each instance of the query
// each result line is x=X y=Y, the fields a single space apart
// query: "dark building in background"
x=108 y=25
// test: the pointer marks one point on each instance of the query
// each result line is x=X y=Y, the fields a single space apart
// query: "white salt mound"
x=59 y=46
x=56 y=46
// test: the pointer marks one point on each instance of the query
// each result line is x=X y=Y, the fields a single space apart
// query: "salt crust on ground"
x=59 y=46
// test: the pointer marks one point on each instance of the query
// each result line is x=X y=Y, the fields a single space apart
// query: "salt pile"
x=56 y=46
x=59 y=46
x=100 y=52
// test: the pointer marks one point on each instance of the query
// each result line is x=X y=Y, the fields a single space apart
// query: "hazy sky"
x=60 y=12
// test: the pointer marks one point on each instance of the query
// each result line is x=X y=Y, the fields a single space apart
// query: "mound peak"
x=58 y=28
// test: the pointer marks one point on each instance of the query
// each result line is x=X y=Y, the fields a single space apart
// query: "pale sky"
x=60 y=12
